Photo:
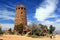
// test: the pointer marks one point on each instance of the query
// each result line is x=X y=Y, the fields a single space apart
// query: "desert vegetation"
x=19 y=28
x=36 y=30
x=1 y=32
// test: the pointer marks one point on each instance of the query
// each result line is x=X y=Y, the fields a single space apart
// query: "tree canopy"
x=51 y=29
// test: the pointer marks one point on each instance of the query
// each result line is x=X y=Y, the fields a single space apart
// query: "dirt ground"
x=19 y=37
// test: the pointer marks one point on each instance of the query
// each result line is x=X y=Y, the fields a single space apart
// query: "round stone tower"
x=20 y=15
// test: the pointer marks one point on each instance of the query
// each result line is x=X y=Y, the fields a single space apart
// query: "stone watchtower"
x=20 y=15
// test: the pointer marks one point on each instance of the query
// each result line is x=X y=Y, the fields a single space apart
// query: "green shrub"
x=51 y=29
x=1 y=31
x=12 y=33
x=19 y=28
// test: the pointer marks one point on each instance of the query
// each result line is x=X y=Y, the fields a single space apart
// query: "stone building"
x=21 y=16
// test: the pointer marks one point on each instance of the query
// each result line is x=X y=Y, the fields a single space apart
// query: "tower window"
x=21 y=7
x=18 y=8
x=21 y=12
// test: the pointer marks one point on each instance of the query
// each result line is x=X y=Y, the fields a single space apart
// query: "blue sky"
x=46 y=12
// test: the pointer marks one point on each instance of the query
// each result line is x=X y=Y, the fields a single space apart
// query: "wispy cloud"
x=55 y=24
x=7 y=26
x=53 y=16
x=10 y=7
x=58 y=20
x=5 y=14
x=45 y=9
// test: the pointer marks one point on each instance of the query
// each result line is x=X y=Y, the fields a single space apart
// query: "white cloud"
x=45 y=9
x=57 y=25
x=12 y=7
x=58 y=20
x=53 y=16
x=7 y=26
x=5 y=14
x=48 y=23
x=29 y=22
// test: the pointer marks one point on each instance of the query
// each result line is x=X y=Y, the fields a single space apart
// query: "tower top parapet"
x=20 y=6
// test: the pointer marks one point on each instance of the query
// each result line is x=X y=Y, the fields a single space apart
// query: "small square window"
x=21 y=12
x=18 y=8
x=21 y=7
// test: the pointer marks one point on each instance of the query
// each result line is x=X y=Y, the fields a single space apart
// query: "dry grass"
x=19 y=37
